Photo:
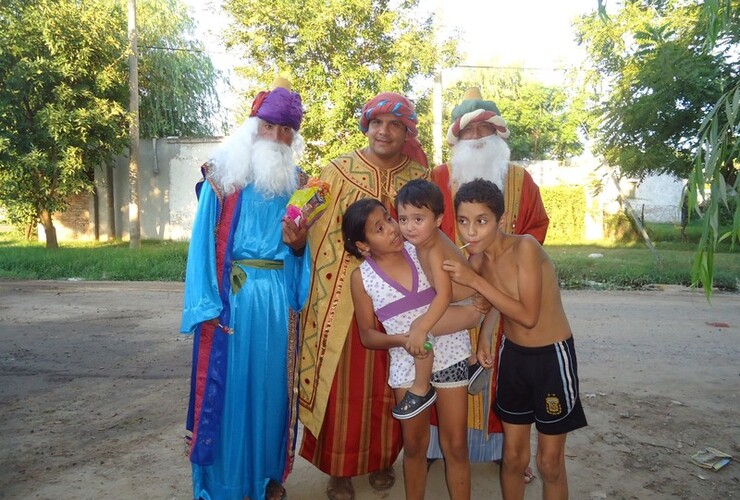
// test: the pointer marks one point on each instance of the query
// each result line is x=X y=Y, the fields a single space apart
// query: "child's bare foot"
x=528 y=475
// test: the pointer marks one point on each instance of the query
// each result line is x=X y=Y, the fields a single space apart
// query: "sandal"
x=383 y=479
x=477 y=378
x=411 y=404
x=340 y=488
x=275 y=491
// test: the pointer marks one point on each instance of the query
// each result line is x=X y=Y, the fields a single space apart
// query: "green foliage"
x=338 y=54
x=620 y=228
x=674 y=104
x=544 y=121
x=566 y=207
x=716 y=165
x=655 y=80
x=63 y=82
x=64 y=94
x=177 y=80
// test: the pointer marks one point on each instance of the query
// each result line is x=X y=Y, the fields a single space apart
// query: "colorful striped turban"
x=279 y=105
x=474 y=109
x=398 y=105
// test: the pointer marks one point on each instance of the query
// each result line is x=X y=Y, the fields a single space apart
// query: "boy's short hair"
x=353 y=223
x=481 y=191
x=421 y=193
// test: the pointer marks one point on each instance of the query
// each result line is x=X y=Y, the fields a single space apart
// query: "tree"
x=656 y=80
x=63 y=96
x=716 y=162
x=679 y=62
x=63 y=82
x=338 y=54
x=546 y=122
x=177 y=79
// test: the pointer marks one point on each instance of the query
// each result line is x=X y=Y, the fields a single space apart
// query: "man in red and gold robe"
x=345 y=400
x=479 y=150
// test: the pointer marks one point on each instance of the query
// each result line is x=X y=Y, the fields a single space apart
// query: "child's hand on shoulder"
x=459 y=272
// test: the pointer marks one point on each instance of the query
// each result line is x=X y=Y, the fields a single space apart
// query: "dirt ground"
x=94 y=387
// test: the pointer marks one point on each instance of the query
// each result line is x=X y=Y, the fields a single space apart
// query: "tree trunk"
x=134 y=223
x=49 y=229
x=110 y=203
x=96 y=213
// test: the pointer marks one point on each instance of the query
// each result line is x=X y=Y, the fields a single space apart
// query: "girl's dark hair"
x=481 y=191
x=353 y=223
x=421 y=193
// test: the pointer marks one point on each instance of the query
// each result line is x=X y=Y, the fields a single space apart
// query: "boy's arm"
x=526 y=309
x=456 y=318
x=483 y=352
x=424 y=323
x=370 y=336
x=459 y=291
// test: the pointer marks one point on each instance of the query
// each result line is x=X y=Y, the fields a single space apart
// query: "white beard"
x=273 y=171
x=245 y=158
x=486 y=158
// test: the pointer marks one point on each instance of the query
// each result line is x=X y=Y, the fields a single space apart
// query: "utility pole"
x=134 y=221
x=437 y=131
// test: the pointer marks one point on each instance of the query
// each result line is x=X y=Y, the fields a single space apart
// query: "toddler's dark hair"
x=421 y=193
x=481 y=191
x=353 y=223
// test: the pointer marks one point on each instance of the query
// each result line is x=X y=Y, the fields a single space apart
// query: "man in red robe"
x=345 y=400
x=479 y=150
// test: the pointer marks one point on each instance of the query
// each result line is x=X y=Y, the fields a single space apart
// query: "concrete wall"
x=166 y=187
x=167 y=197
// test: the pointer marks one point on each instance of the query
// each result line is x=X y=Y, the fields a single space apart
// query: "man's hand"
x=294 y=236
x=216 y=323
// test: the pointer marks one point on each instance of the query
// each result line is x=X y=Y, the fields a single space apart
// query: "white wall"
x=167 y=196
x=166 y=188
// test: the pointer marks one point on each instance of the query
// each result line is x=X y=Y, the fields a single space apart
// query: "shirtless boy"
x=537 y=375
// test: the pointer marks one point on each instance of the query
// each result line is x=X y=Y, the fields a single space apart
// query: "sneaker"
x=411 y=404
x=477 y=378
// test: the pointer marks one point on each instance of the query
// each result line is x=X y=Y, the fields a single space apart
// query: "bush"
x=566 y=208
x=620 y=228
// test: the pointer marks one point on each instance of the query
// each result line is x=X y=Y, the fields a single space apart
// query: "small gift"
x=307 y=204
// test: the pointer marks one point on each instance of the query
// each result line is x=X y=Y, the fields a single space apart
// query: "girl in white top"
x=391 y=285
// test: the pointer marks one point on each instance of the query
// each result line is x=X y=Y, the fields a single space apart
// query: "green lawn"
x=622 y=266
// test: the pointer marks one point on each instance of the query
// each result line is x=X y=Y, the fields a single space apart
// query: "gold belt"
x=239 y=275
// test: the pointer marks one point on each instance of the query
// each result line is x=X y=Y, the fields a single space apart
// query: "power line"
x=200 y=51
x=476 y=66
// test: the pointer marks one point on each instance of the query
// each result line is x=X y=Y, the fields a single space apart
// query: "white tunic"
x=396 y=308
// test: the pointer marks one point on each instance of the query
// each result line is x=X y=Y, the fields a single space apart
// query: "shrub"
x=566 y=207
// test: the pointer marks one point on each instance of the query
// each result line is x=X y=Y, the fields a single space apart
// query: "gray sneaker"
x=412 y=404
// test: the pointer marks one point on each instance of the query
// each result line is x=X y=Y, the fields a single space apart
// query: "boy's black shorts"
x=540 y=385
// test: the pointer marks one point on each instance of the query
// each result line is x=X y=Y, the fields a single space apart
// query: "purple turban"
x=279 y=106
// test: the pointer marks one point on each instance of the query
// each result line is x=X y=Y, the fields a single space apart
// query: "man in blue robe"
x=247 y=276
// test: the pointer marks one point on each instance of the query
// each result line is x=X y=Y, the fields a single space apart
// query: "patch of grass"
x=621 y=266
x=636 y=267
x=114 y=261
